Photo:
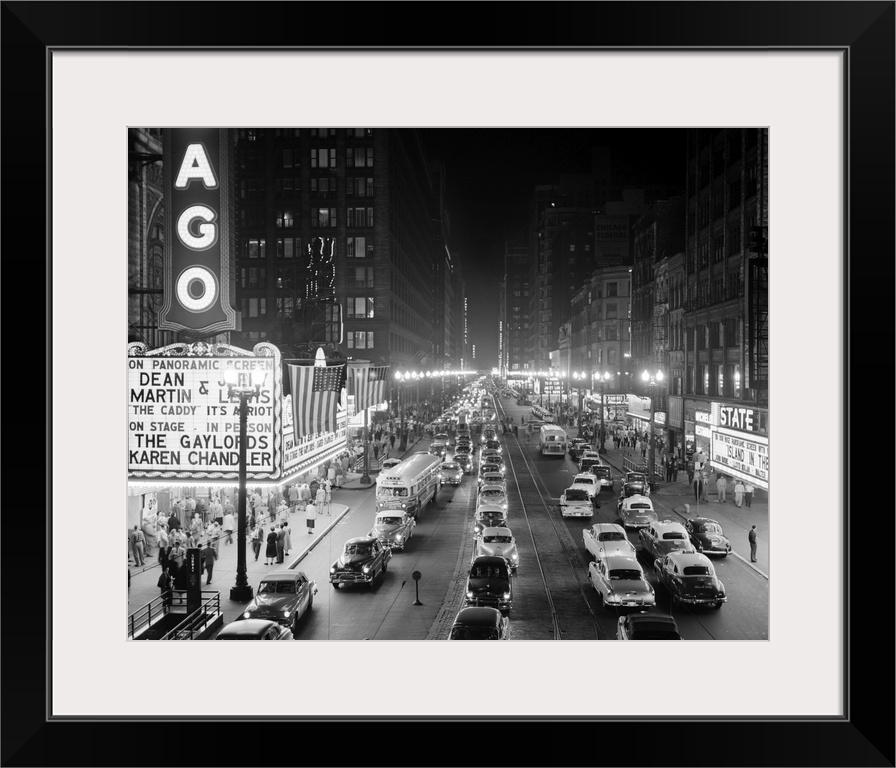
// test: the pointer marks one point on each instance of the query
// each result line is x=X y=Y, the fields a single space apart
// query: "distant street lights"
x=602 y=379
x=652 y=380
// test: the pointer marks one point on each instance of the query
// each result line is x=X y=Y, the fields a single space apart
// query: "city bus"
x=552 y=440
x=410 y=485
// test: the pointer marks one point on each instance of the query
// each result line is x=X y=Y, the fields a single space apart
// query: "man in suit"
x=209 y=555
x=752 y=537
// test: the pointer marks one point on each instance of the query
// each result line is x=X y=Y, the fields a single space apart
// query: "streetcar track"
x=575 y=567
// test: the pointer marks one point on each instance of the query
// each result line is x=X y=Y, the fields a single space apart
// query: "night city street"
x=615 y=299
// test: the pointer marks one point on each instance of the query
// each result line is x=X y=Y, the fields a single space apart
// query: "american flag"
x=368 y=385
x=315 y=393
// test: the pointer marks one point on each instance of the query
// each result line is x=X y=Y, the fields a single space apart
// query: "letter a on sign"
x=199 y=254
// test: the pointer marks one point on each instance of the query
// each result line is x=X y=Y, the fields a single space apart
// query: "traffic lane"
x=384 y=611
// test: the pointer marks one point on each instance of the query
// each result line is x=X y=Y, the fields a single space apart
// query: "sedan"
x=587 y=482
x=607 y=540
x=282 y=596
x=636 y=511
x=661 y=538
x=491 y=455
x=492 y=494
x=392 y=529
x=438 y=449
x=479 y=623
x=576 y=502
x=494 y=445
x=362 y=560
x=690 y=578
x=707 y=536
x=492 y=478
x=464 y=461
x=254 y=629
x=604 y=476
x=498 y=542
x=647 y=626
x=450 y=473
x=489 y=516
x=621 y=583
x=488 y=467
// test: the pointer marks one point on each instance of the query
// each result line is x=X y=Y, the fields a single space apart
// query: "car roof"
x=604 y=527
x=668 y=524
x=652 y=619
x=619 y=561
x=637 y=497
x=489 y=560
x=390 y=513
x=283 y=576
x=690 y=558
x=584 y=476
x=489 y=507
x=496 y=531
x=361 y=540
x=246 y=628
x=492 y=487
x=479 y=616
x=702 y=520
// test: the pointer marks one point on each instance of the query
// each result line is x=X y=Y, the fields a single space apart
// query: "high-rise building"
x=514 y=309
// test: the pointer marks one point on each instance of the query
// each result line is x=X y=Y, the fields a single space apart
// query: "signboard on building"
x=639 y=408
x=552 y=387
x=741 y=454
x=612 y=237
x=182 y=422
x=199 y=248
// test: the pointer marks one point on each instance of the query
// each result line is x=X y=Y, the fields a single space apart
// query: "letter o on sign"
x=196 y=289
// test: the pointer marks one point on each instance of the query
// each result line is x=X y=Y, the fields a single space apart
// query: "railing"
x=197 y=621
x=155 y=609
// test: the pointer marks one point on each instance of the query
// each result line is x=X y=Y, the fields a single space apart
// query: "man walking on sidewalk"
x=137 y=542
x=721 y=486
x=752 y=537
x=748 y=494
x=208 y=560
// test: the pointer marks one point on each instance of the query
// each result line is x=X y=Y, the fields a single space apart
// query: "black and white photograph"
x=448 y=383
x=486 y=337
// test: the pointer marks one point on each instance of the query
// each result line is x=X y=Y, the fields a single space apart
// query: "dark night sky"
x=490 y=175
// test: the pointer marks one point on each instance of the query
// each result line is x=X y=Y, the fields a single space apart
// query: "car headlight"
x=469 y=593
x=332 y=569
x=286 y=612
x=366 y=569
x=507 y=595
x=398 y=537
x=247 y=615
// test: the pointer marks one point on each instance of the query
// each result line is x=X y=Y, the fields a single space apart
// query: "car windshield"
x=634 y=477
x=486 y=468
x=602 y=471
x=496 y=539
x=710 y=528
x=611 y=536
x=450 y=467
x=576 y=494
x=673 y=535
x=278 y=587
x=697 y=570
x=624 y=574
x=474 y=633
x=488 y=572
x=357 y=549
x=389 y=491
x=388 y=521
x=585 y=480
x=492 y=493
x=639 y=506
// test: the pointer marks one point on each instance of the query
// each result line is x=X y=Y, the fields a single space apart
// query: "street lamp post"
x=242 y=386
x=653 y=382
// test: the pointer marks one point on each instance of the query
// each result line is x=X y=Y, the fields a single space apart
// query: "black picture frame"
x=864 y=31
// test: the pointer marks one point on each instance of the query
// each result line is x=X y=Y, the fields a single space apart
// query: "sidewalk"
x=679 y=498
x=352 y=480
x=143 y=587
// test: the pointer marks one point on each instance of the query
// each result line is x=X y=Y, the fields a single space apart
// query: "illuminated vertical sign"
x=198 y=232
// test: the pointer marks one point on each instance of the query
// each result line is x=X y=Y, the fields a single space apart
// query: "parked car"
x=491 y=456
x=254 y=629
x=479 y=624
x=574 y=445
x=489 y=584
x=636 y=511
x=489 y=516
x=707 y=536
x=498 y=542
x=647 y=626
x=620 y=582
x=361 y=561
x=450 y=473
x=392 y=528
x=607 y=540
x=576 y=502
x=663 y=537
x=282 y=596
x=465 y=462
x=690 y=578
x=588 y=482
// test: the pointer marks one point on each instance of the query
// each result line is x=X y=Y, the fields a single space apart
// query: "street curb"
x=319 y=539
